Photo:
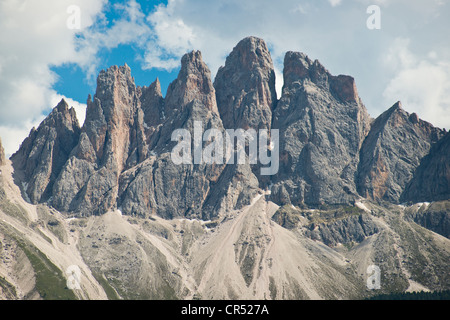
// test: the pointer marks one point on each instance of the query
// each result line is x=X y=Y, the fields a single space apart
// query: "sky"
x=54 y=49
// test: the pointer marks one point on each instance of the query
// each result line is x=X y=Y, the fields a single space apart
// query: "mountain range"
x=351 y=191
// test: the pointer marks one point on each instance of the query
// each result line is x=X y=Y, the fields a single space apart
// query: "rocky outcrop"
x=345 y=231
x=392 y=151
x=2 y=154
x=88 y=181
x=245 y=86
x=322 y=125
x=431 y=181
x=121 y=157
x=435 y=217
x=193 y=83
x=42 y=155
x=152 y=103
x=159 y=186
x=343 y=225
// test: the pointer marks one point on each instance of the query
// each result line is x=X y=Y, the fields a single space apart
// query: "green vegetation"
x=50 y=282
x=79 y=222
x=9 y=291
x=438 y=295
x=110 y=292
x=334 y=214
x=287 y=217
x=11 y=209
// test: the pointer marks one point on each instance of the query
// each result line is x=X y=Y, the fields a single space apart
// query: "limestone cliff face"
x=331 y=152
x=391 y=153
x=303 y=233
x=121 y=157
x=431 y=180
x=42 y=155
x=88 y=181
x=159 y=186
x=322 y=125
x=245 y=86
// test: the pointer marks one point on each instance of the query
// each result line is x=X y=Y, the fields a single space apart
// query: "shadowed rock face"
x=245 y=86
x=108 y=144
x=322 y=125
x=431 y=181
x=195 y=191
x=391 y=153
x=42 y=155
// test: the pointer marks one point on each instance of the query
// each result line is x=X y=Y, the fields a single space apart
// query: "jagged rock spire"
x=245 y=86
x=193 y=82
x=392 y=151
x=44 y=152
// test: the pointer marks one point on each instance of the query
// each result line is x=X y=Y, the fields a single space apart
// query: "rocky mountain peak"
x=62 y=114
x=156 y=87
x=193 y=82
x=112 y=77
x=44 y=152
x=392 y=151
x=327 y=154
x=245 y=86
x=251 y=53
x=152 y=104
x=431 y=180
x=116 y=89
x=322 y=126
x=299 y=67
x=397 y=106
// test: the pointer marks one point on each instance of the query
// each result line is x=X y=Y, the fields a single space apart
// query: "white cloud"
x=129 y=29
x=13 y=134
x=80 y=108
x=33 y=37
x=335 y=3
x=423 y=85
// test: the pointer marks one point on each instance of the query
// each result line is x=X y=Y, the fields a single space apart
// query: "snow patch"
x=362 y=206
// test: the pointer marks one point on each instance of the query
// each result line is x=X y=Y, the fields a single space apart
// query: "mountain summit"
x=108 y=197
x=331 y=151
